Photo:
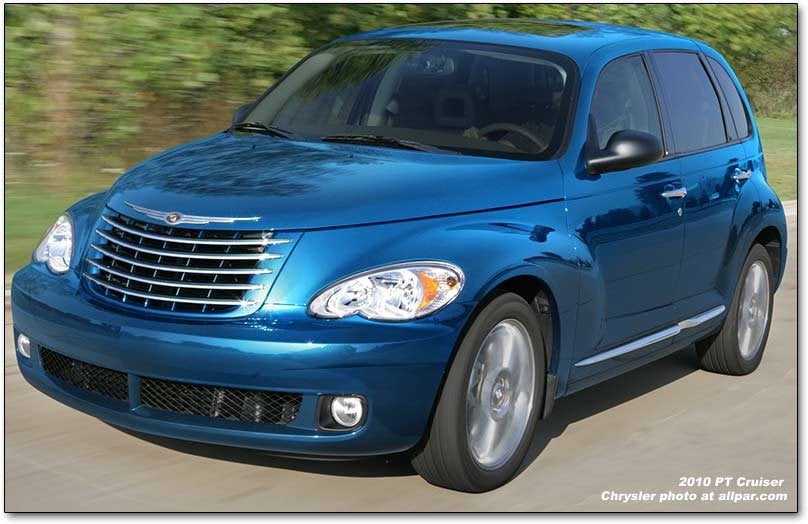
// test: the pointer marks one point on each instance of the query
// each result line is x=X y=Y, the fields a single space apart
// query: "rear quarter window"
x=736 y=106
x=693 y=105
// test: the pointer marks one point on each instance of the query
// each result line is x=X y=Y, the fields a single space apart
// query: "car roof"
x=575 y=39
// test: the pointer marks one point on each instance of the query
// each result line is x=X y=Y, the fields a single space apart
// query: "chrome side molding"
x=701 y=319
x=653 y=338
x=659 y=336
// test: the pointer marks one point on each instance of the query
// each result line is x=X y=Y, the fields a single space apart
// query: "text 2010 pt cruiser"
x=415 y=241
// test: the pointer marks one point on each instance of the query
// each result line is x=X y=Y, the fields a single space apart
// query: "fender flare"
x=773 y=217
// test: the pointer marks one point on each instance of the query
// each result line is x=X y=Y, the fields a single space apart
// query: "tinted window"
x=624 y=99
x=694 y=109
x=736 y=106
x=472 y=98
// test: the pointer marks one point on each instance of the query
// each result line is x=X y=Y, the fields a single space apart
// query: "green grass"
x=779 y=137
x=33 y=203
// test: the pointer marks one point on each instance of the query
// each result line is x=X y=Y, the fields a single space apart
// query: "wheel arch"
x=538 y=293
x=767 y=229
x=759 y=217
x=534 y=285
x=769 y=237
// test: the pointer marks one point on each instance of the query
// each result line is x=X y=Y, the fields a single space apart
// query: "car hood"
x=306 y=185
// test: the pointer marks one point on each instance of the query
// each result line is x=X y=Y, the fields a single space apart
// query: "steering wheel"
x=508 y=128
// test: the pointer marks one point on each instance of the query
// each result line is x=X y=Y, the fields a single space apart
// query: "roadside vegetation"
x=779 y=137
x=86 y=99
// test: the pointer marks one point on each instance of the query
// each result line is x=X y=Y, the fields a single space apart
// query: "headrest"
x=454 y=107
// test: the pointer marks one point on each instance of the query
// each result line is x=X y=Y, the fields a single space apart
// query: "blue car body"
x=617 y=262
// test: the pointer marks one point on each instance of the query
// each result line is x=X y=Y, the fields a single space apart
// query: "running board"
x=653 y=338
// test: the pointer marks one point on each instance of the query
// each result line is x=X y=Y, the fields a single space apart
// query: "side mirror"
x=624 y=150
x=240 y=113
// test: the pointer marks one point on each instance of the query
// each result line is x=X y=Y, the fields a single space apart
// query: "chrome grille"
x=179 y=269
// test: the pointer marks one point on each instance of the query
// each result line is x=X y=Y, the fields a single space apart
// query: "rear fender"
x=755 y=211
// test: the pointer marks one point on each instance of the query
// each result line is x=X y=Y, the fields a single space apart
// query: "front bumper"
x=398 y=368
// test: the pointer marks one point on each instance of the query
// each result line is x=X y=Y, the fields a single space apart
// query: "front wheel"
x=490 y=402
x=738 y=347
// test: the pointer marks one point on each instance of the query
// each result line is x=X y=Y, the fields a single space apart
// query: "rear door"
x=707 y=140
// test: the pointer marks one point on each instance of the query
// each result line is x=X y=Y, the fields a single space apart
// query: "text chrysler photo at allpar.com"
x=414 y=242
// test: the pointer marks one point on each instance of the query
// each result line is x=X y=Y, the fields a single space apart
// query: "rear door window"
x=733 y=98
x=695 y=112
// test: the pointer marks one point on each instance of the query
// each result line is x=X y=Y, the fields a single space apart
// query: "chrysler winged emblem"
x=174 y=217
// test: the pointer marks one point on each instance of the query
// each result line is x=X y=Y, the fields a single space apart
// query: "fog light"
x=347 y=411
x=24 y=346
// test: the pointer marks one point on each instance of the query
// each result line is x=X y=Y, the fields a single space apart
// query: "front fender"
x=490 y=247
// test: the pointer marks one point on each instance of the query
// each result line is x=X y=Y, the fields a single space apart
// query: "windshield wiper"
x=258 y=127
x=388 y=141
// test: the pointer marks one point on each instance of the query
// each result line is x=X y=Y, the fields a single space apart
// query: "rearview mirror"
x=625 y=149
x=240 y=113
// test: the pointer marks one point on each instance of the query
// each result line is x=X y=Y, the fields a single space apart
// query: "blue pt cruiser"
x=416 y=240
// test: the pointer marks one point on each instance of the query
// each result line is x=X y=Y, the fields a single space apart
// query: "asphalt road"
x=641 y=431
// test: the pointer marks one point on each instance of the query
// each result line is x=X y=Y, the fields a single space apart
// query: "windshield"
x=469 y=98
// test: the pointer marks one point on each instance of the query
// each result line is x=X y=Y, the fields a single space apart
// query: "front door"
x=631 y=222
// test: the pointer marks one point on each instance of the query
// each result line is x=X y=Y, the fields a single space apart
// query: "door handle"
x=742 y=175
x=675 y=193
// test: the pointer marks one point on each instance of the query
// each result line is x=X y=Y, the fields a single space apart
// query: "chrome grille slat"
x=169 y=283
x=185 y=254
x=168 y=298
x=185 y=270
x=205 y=241
x=179 y=269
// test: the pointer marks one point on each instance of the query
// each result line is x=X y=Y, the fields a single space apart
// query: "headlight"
x=57 y=246
x=399 y=292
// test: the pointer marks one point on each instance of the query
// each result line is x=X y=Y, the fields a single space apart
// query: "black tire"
x=721 y=353
x=445 y=459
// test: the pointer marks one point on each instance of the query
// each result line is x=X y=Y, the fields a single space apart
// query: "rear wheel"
x=738 y=347
x=490 y=403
